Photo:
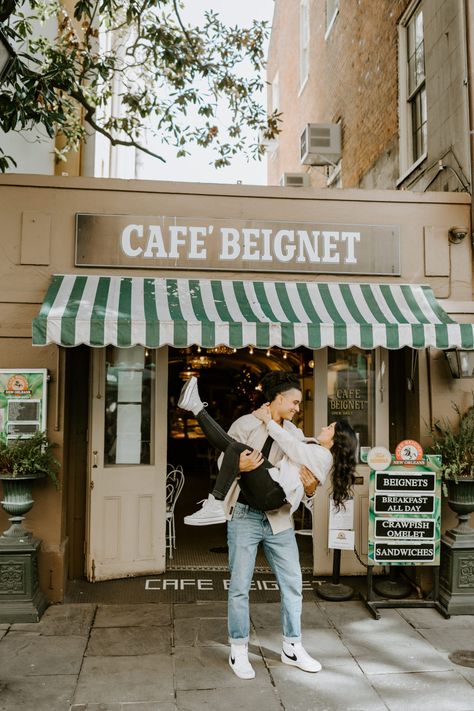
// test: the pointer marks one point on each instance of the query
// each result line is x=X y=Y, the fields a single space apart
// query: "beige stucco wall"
x=50 y=203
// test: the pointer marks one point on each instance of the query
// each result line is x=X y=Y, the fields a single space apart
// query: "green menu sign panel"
x=22 y=402
x=405 y=513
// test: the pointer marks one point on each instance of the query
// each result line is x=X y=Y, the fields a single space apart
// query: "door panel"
x=371 y=397
x=126 y=477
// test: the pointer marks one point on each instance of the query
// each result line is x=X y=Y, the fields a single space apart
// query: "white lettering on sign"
x=247 y=244
x=208 y=585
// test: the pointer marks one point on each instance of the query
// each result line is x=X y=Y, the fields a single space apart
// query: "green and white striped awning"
x=125 y=311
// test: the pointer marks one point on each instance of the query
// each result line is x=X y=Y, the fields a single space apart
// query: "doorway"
x=228 y=381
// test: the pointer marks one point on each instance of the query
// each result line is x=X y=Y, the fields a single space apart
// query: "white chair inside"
x=174 y=486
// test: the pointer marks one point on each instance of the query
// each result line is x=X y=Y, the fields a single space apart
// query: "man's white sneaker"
x=294 y=654
x=212 y=511
x=239 y=661
x=189 y=397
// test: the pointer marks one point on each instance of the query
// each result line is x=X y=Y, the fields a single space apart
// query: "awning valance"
x=125 y=311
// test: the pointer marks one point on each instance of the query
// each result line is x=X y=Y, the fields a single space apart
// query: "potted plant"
x=455 y=444
x=21 y=461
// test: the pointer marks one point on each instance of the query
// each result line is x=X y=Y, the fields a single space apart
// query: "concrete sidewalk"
x=173 y=657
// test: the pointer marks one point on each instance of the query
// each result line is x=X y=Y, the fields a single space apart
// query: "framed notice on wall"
x=22 y=402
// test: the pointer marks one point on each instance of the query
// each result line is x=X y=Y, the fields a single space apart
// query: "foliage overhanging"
x=173 y=79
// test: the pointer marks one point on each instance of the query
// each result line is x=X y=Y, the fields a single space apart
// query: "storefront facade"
x=117 y=279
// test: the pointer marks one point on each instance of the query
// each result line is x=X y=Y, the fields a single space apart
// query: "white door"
x=353 y=384
x=127 y=471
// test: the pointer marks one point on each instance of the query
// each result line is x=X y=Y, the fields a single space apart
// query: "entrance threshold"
x=187 y=586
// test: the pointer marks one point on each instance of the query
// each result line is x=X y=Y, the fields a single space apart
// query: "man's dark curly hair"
x=276 y=382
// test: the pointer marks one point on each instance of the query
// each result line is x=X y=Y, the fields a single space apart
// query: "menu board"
x=405 y=513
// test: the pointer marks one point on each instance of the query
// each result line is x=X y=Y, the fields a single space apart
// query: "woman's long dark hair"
x=343 y=452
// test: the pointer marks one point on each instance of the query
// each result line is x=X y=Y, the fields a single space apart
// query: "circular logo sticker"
x=409 y=450
x=379 y=458
x=17 y=383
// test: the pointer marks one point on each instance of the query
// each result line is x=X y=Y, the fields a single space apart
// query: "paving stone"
x=129 y=641
x=199 y=609
x=27 y=654
x=106 y=680
x=429 y=618
x=354 y=618
x=204 y=632
x=264 y=615
x=251 y=697
x=323 y=644
x=39 y=693
x=331 y=689
x=386 y=652
x=132 y=706
x=440 y=691
x=139 y=615
x=208 y=668
x=61 y=620
x=466 y=672
x=451 y=639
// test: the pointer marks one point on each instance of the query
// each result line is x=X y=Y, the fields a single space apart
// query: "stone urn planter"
x=22 y=462
x=17 y=500
x=455 y=444
x=461 y=501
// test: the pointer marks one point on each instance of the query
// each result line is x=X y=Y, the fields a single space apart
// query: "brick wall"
x=352 y=78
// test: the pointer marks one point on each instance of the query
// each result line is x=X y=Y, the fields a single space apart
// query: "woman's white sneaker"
x=189 y=397
x=239 y=661
x=294 y=654
x=212 y=511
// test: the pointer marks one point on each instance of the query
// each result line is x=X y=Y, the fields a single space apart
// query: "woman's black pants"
x=258 y=487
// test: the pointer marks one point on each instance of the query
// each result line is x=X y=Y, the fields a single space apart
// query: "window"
x=332 y=9
x=130 y=374
x=413 y=118
x=276 y=93
x=304 y=42
x=351 y=391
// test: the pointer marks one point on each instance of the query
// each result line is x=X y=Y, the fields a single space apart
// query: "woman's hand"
x=250 y=460
x=309 y=481
x=263 y=413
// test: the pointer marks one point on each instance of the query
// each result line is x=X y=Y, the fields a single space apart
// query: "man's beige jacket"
x=249 y=430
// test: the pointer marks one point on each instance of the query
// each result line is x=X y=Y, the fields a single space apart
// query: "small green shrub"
x=455 y=444
x=27 y=456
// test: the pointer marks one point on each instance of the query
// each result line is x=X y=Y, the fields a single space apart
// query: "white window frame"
x=332 y=11
x=407 y=162
x=304 y=35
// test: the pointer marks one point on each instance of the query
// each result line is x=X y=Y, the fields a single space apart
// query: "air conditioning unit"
x=294 y=180
x=321 y=144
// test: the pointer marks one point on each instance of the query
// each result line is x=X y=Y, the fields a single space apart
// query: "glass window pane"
x=418 y=28
x=129 y=392
x=351 y=391
x=420 y=64
x=411 y=74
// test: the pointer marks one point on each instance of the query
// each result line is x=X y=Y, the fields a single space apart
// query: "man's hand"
x=250 y=460
x=308 y=480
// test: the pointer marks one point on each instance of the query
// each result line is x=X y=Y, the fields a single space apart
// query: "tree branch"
x=89 y=118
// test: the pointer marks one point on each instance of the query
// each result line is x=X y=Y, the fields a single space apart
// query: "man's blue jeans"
x=245 y=531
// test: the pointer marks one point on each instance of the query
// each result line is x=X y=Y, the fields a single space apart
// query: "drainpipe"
x=467 y=26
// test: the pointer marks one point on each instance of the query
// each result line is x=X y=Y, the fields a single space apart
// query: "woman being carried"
x=268 y=486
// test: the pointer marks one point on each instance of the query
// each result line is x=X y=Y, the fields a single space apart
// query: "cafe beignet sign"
x=229 y=244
